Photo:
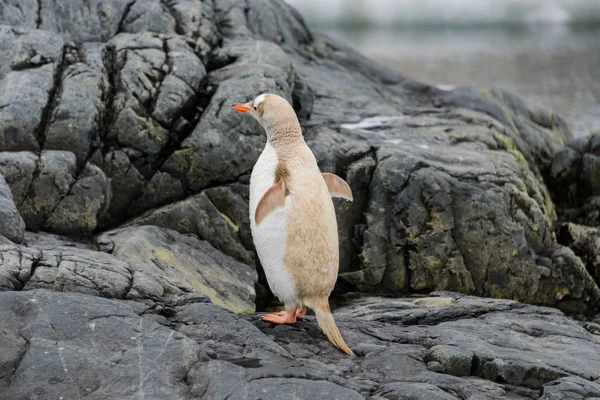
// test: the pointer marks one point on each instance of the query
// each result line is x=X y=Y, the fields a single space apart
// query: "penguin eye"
x=254 y=108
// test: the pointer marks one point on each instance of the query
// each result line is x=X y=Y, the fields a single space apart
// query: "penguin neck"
x=284 y=136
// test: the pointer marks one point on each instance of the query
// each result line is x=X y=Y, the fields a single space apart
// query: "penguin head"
x=273 y=112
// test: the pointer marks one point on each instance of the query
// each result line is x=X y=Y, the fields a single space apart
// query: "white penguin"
x=292 y=217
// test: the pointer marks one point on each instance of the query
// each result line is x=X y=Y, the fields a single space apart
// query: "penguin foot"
x=282 y=317
x=301 y=312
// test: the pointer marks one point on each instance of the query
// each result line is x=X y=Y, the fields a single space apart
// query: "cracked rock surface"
x=149 y=263
x=125 y=245
x=12 y=225
x=443 y=347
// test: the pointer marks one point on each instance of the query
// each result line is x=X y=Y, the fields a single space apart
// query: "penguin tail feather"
x=327 y=323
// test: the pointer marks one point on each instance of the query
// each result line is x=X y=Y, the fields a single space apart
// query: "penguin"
x=292 y=217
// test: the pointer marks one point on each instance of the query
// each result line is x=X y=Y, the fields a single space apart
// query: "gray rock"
x=454 y=361
x=220 y=133
x=11 y=224
x=571 y=387
x=18 y=12
x=88 y=198
x=191 y=265
x=44 y=240
x=204 y=218
x=68 y=345
x=51 y=194
x=429 y=207
x=402 y=391
x=221 y=374
x=18 y=169
x=449 y=184
x=83 y=20
x=139 y=75
x=29 y=60
x=575 y=182
x=132 y=99
x=55 y=174
x=130 y=183
x=585 y=242
x=64 y=343
x=139 y=263
x=74 y=125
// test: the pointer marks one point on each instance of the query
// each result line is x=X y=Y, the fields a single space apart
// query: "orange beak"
x=241 y=107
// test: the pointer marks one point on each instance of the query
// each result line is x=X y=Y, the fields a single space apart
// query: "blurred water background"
x=547 y=51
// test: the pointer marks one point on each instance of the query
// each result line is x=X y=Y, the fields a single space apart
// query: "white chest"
x=270 y=238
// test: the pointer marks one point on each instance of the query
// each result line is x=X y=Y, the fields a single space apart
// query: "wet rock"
x=12 y=225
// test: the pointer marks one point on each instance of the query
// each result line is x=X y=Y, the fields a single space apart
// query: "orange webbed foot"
x=282 y=317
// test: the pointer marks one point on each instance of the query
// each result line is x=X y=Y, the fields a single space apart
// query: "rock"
x=200 y=350
x=449 y=184
x=74 y=122
x=20 y=13
x=453 y=361
x=115 y=130
x=11 y=224
x=412 y=391
x=83 y=20
x=202 y=217
x=132 y=98
x=18 y=169
x=193 y=266
x=585 y=242
x=571 y=387
x=55 y=174
x=221 y=374
x=575 y=182
x=78 y=212
x=65 y=345
x=53 y=195
x=123 y=175
x=29 y=59
x=138 y=263
x=428 y=210
x=198 y=160
x=44 y=240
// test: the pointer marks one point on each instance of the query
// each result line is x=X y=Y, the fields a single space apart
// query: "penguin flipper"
x=272 y=200
x=337 y=186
